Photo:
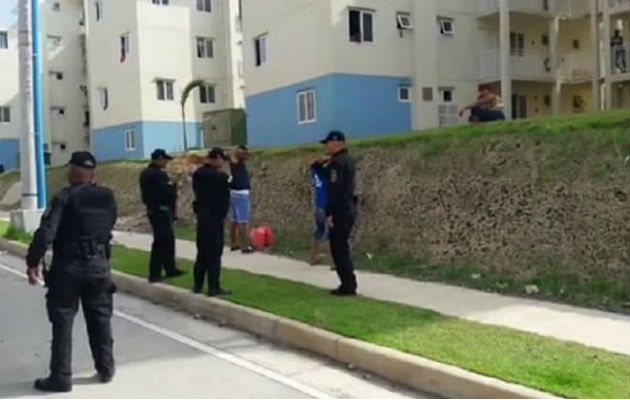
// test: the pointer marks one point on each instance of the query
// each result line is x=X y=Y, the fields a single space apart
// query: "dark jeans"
x=210 y=231
x=163 y=247
x=478 y=114
x=65 y=290
x=340 y=249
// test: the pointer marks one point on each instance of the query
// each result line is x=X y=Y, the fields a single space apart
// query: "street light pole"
x=37 y=104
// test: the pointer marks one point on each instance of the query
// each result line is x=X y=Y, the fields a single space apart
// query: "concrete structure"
x=371 y=67
x=142 y=54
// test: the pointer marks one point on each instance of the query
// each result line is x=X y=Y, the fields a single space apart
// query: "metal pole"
x=37 y=104
x=27 y=142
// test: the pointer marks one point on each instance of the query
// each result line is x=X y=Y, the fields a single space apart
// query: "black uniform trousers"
x=163 y=247
x=210 y=231
x=339 y=237
x=89 y=283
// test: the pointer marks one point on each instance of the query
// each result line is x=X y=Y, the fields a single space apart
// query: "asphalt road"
x=162 y=353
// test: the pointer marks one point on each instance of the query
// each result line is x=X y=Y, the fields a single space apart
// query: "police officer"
x=341 y=210
x=78 y=223
x=212 y=202
x=159 y=194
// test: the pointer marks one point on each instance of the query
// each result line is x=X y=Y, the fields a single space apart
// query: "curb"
x=411 y=371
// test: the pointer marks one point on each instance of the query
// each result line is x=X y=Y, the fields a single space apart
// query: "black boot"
x=53 y=385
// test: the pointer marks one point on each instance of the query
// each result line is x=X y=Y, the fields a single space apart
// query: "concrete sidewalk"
x=590 y=327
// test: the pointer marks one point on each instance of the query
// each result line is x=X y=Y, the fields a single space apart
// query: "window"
x=307 y=112
x=205 y=47
x=164 y=89
x=517 y=44
x=447 y=109
x=5 y=115
x=404 y=94
x=260 y=47
x=124 y=47
x=404 y=21
x=103 y=95
x=160 y=2
x=361 y=25
x=58 y=111
x=204 y=5
x=63 y=147
x=99 y=9
x=576 y=44
x=547 y=100
x=427 y=94
x=54 y=41
x=545 y=40
x=56 y=75
x=56 y=6
x=130 y=139
x=446 y=26
x=4 y=40
x=207 y=94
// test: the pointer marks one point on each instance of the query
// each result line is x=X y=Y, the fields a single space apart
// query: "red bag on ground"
x=262 y=237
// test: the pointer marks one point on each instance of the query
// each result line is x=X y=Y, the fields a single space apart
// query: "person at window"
x=488 y=107
x=619 y=52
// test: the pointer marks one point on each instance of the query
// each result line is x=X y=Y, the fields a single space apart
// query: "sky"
x=7 y=16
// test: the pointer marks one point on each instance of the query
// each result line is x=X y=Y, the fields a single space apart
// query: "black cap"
x=217 y=152
x=334 y=136
x=160 y=154
x=83 y=159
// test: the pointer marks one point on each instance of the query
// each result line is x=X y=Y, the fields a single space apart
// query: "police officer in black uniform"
x=212 y=202
x=341 y=210
x=159 y=194
x=78 y=223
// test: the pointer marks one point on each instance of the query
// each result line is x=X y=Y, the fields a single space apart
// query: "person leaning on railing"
x=488 y=107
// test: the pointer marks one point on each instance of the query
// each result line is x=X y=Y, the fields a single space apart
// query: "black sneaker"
x=175 y=273
x=248 y=250
x=219 y=293
x=235 y=248
x=156 y=279
x=196 y=290
x=343 y=292
x=105 y=377
x=52 y=385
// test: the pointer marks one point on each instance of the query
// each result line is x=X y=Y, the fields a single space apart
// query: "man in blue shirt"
x=320 y=197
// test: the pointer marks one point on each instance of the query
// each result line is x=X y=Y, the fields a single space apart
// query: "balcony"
x=524 y=65
x=616 y=6
x=576 y=67
x=536 y=7
x=620 y=63
x=573 y=8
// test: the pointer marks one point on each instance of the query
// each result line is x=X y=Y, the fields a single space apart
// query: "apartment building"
x=142 y=54
x=371 y=67
x=64 y=83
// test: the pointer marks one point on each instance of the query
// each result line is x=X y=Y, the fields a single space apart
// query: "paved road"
x=162 y=353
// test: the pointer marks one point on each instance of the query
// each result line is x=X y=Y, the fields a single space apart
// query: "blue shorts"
x=321 y=227
x=240 y=207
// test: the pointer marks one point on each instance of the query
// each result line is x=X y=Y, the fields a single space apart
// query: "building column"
x=607 y=34
x=504 y=56
x=595 y=39
x=554 y=57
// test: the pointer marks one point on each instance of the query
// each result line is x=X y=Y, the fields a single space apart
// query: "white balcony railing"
x=529 y=65
x=576 y=67
x=485 y=7
x=617 y=6
x=573 y=8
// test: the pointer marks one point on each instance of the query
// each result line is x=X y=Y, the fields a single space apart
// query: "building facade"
x=372 y=67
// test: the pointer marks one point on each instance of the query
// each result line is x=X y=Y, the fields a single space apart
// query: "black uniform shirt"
x=157 y=189
x=341 y=184
x=212 y=191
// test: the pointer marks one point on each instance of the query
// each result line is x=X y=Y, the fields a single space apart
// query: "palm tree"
x=185 y=94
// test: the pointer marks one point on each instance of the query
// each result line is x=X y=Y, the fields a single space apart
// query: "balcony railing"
x=620 y=60
x=617 y=6
x=576 y=67
x=573 y=8
x=485 y=7
x=528 y=65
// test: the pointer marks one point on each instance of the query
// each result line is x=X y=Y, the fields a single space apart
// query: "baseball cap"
x=334 y=136
x=217 y=152
x=160 y=154
x=83 y=159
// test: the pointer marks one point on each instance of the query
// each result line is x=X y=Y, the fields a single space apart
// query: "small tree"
x=185 y=94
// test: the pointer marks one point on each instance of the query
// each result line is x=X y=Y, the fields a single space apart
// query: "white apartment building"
x=141 y=55
x=64 y=80
x=372 y=67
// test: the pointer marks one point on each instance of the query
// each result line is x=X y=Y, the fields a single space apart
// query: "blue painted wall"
x=10 y=153
x=360 y=105
x=109 y=143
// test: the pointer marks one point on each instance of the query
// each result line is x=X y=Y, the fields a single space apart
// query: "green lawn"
x=566 y=369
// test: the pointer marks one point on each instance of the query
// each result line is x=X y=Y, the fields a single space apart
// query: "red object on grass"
x=262 y=237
